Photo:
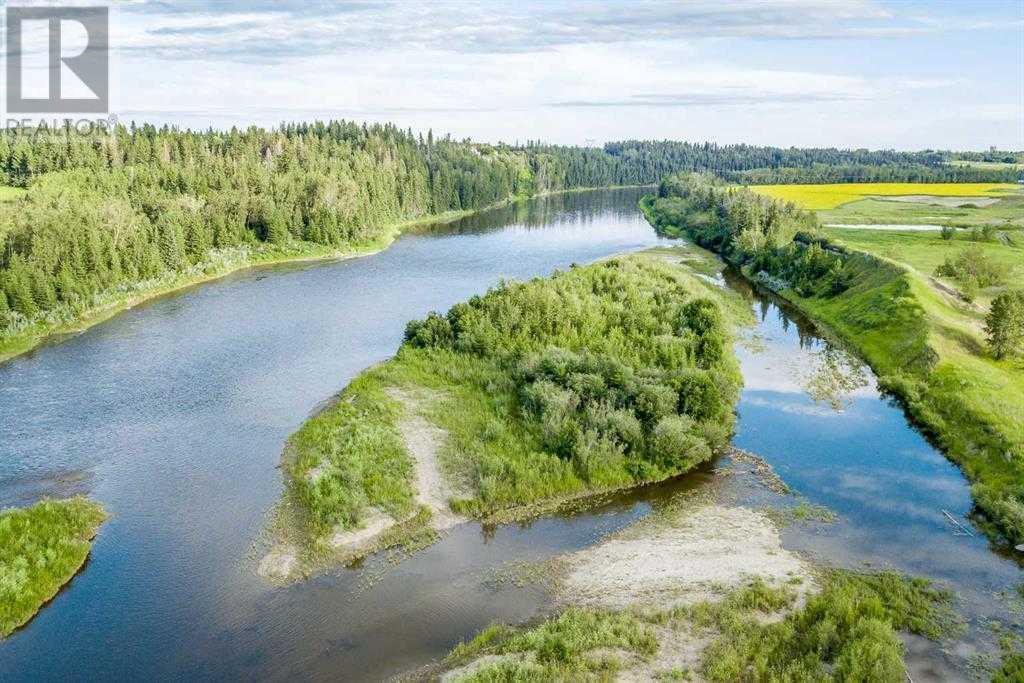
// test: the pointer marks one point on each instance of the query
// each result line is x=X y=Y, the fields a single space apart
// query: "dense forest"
x=776 y=165
x=110 y=212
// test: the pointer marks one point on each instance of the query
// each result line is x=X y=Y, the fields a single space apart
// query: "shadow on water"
x=175 y=413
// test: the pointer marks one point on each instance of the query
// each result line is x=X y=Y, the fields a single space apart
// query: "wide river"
x=174 y=414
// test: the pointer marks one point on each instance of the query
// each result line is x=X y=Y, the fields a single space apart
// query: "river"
x=173 y=415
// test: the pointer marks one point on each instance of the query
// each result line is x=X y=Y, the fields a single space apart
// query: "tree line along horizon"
x=143 y=202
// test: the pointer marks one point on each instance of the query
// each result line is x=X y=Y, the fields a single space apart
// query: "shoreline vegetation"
x=42 y=547
x=90 y=225
x=222 y=263
x=531 y=397
x=904 y=327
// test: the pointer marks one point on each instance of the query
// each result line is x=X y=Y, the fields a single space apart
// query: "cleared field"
x=819 y=197
x=986 y=164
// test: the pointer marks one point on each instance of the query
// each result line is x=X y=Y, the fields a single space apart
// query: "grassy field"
x=8 y=194
x=846 y=632
x=41 y=548
x=1006 y=214
x=818 y=197
x=599 y=378
x=926 y=251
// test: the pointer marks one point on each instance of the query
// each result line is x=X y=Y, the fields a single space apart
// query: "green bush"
x=972 y=265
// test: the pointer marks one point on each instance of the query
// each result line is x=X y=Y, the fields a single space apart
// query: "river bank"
x=63 y=322
x=902 y=328
x=221 y=264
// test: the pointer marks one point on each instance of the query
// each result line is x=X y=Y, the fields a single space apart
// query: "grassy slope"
x=351 y=457
x=829 y=196
x=846 y=632
x=41 y=549
x=929 y=351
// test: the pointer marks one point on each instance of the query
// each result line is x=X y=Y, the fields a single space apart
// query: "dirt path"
x=424 y=441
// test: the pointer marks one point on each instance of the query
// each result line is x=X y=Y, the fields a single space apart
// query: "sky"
x=852 y=73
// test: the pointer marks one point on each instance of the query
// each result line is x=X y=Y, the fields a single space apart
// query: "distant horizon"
x=874 y=74
x=327 y=118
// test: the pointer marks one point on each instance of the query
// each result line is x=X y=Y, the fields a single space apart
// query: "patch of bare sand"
x=679 y=649
x=279 y=563
x=424 y=441
x=375 y=523
x=698 y=556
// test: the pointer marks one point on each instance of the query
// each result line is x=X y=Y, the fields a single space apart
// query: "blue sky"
x=859 y=73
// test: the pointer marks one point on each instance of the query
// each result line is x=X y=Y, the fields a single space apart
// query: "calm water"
x=174 y=415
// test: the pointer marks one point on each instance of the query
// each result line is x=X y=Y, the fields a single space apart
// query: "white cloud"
x=566 y=72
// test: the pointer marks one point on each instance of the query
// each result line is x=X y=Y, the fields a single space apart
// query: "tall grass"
x=41 y=549
x=847 y=632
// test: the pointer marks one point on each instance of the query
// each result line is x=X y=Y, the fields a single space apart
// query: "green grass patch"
x=41 y=549
x=9 y=194
x=1005 y=214
x=847 y=631
x=561 y=648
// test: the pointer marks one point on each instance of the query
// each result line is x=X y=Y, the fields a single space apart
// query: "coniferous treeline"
x=758 y=165
x=142 y=204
